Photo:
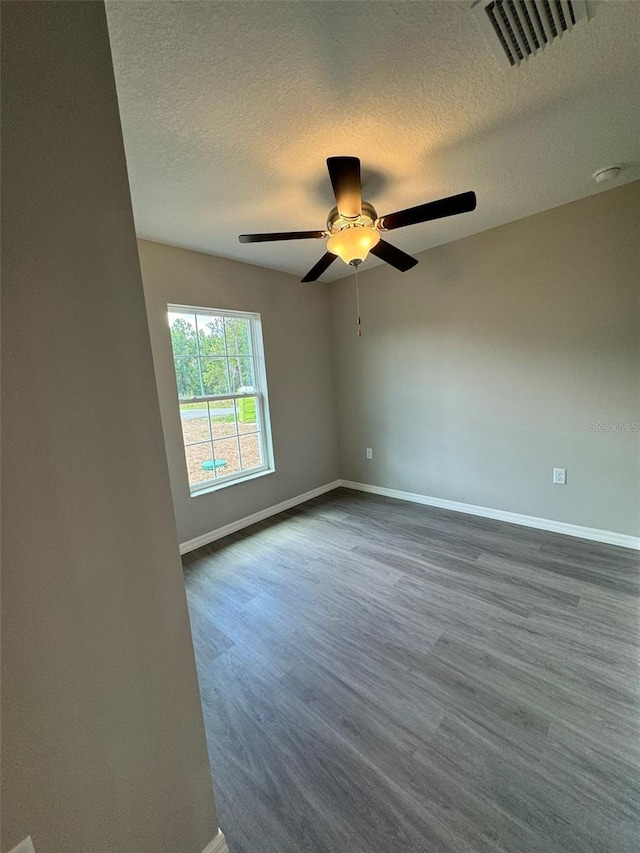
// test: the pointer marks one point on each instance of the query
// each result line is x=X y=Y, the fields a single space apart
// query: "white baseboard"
x=248 y=520
x=217 y=845
x=25 y=846
x=592 y=533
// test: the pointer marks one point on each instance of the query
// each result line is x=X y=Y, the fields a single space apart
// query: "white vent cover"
x=518 y=29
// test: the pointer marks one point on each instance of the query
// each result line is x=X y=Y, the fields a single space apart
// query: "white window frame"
x=259 y=393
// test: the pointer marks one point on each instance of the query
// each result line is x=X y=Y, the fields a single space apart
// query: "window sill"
x=223 y=484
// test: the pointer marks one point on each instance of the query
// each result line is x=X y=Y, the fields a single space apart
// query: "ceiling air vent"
x=518 y=29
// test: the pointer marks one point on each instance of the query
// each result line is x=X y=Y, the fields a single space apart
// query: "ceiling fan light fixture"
x=353 y=243
x=353 y=226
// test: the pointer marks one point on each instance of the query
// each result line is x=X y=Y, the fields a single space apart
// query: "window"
x=222 y=394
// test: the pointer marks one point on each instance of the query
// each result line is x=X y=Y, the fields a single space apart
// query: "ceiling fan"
x=353 y=226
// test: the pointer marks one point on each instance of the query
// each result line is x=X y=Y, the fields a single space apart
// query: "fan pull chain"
x=358 y=321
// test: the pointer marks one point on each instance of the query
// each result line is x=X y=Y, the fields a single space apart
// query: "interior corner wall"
x=297 y=343
x=103 y=745
x=498 y=358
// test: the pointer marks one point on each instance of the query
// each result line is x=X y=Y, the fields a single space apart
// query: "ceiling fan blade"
x=394 y=256
x=323 y=264
x=281 y=235
x=347 y=188
x=462 y=203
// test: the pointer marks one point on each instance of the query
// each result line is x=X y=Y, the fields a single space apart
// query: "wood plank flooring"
x=380 y=677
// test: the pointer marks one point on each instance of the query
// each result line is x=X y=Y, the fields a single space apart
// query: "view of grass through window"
x=220 y=394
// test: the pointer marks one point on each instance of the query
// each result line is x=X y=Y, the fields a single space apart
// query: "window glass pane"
x=247 y=408
x=224 y=438
x=226 y=450
x=211 y=334
x=241 y=374
x=200 y=463
x=183 y=333
x=222 y=415
x=250 y=451
x=187 y=376
x=215 y=379
x=195 y=422
x=238 y=337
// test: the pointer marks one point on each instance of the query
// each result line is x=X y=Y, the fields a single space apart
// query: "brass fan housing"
x=367 y=219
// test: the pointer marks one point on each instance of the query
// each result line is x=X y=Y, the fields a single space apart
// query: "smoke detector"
x=603 y=176
x=518 y=29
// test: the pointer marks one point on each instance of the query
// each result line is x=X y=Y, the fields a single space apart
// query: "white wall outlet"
x=369 y=453
x=560 y=476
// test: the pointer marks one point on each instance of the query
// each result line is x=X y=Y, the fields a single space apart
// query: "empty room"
x=321 y=426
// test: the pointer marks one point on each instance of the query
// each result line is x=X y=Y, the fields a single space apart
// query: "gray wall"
x=103 y=739
x=297 y=343
x=484 y=367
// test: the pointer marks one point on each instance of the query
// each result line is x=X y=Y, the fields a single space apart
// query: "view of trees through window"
x=221 y=401
x=212 y=354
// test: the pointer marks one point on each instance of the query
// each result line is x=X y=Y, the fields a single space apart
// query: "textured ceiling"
x=229 y=110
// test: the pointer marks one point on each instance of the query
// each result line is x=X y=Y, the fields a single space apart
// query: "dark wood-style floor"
x=381 y=677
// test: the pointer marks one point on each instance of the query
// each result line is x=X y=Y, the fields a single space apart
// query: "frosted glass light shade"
x=353 y=243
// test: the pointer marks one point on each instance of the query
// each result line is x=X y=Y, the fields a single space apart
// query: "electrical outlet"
x=369 y=453
x=560 y=476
